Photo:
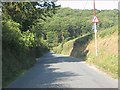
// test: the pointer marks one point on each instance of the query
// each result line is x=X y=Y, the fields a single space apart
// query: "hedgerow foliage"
x=22 y=44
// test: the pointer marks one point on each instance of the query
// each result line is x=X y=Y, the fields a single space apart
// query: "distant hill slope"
x=83 y=47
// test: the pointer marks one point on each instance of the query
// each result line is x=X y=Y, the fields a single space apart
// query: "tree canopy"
x=75 y=22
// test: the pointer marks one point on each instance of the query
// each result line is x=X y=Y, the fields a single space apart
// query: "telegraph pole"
x=95 y=21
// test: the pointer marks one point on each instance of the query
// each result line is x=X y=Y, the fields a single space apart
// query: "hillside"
x=72 y=23
x=83 y=47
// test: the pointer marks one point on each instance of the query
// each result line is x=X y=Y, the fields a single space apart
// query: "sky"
x=88 y=4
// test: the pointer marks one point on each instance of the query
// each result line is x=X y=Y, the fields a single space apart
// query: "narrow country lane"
x=58 y=71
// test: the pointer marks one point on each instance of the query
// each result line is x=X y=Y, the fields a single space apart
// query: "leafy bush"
x=19 y=50
x=28 y=39
x=10 y=33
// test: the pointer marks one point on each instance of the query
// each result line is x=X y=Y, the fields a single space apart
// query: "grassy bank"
x=19 y=51
x=83 y=47
x=107 y=59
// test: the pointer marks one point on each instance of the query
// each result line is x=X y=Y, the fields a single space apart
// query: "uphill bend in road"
x=58 y=71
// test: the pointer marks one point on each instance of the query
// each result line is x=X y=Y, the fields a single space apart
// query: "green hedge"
x=19 y=51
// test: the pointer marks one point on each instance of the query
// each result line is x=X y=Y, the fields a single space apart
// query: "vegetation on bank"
x=22 y=40
x=73 y=23
x=83 y=47
x=107 y=59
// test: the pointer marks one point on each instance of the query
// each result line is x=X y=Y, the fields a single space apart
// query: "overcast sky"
x=88 y=4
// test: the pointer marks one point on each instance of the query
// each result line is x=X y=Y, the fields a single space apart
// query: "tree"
x=27 y=13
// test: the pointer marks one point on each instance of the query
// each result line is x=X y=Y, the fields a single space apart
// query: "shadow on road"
x=44 y=75
x=58 y=58
x=57 y=71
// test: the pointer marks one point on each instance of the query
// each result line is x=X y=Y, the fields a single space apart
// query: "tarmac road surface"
x=58 y=71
